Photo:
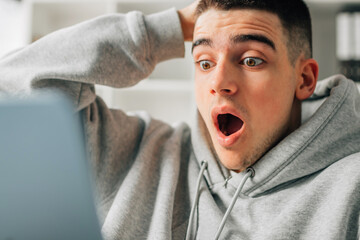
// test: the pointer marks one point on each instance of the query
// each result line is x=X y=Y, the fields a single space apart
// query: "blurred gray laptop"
x=45 y=184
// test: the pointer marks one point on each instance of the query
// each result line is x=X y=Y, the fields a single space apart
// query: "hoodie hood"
x=329 y=132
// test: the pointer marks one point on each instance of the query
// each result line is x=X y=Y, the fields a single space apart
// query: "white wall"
x=12 y=28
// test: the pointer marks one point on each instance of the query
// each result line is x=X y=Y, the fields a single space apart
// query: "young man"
x=270 y=170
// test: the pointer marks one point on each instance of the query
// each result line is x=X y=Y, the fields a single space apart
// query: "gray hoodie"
x=146 y=172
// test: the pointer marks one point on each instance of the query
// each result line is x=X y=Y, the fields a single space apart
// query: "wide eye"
x=206 y=65
x=252 y=61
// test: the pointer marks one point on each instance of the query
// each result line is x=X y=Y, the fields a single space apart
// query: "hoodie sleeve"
x=116 y=50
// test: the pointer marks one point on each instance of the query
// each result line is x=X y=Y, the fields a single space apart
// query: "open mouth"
x=229 y=124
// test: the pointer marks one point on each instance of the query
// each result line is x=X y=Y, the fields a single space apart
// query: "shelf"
x=331 y=6
x=169 y=100
x=169 y=106
x=170 y=85
x=323 y=14
x=158 y=85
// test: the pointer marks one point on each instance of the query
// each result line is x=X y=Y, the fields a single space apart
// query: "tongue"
x=229 y=124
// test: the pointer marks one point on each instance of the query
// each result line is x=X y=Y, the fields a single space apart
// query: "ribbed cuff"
x=167 y=39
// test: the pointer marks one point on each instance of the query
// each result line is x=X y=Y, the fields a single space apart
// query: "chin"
x=239 y=161
x=234 y=162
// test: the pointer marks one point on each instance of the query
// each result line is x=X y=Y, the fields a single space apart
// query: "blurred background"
x=168 y=94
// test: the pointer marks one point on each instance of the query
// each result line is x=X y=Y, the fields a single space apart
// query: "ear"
x=307 y=78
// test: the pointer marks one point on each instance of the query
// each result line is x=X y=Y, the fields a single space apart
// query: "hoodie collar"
x=330 y=132
x=204 y=151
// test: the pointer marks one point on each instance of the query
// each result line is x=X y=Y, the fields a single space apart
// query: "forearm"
x=115 y=50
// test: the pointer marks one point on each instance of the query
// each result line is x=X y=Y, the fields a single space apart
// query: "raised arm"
x=115 y=50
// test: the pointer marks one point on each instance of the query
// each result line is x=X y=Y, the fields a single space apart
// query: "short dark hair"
x=293 y=14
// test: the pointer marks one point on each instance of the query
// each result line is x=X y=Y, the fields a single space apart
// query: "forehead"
x=221 y=24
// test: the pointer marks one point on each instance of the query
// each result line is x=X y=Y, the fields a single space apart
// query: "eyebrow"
x=253 y=37
x=202 y=41
x=237 y=39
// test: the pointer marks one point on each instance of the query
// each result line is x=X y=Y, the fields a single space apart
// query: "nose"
x=224 y=81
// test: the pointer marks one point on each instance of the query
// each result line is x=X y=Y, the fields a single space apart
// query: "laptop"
x=45 y=181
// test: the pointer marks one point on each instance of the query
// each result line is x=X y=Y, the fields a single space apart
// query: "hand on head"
x=187 y=19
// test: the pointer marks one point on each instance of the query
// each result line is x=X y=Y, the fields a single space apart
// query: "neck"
x=295 y=117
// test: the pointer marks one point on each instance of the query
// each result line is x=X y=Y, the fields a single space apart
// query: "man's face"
x=244 y=83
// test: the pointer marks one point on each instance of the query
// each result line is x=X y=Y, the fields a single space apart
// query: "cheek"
x=272 y=101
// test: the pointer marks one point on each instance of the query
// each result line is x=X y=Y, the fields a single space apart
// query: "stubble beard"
x=258 y=151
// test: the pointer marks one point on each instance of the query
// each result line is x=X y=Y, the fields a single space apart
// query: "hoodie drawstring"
x=250 y=173
x=203 y=168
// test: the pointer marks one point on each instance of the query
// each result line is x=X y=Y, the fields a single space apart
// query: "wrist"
x=186 y=26
x=187 y=19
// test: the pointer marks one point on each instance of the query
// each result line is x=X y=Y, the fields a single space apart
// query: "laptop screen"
x=45 y=184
